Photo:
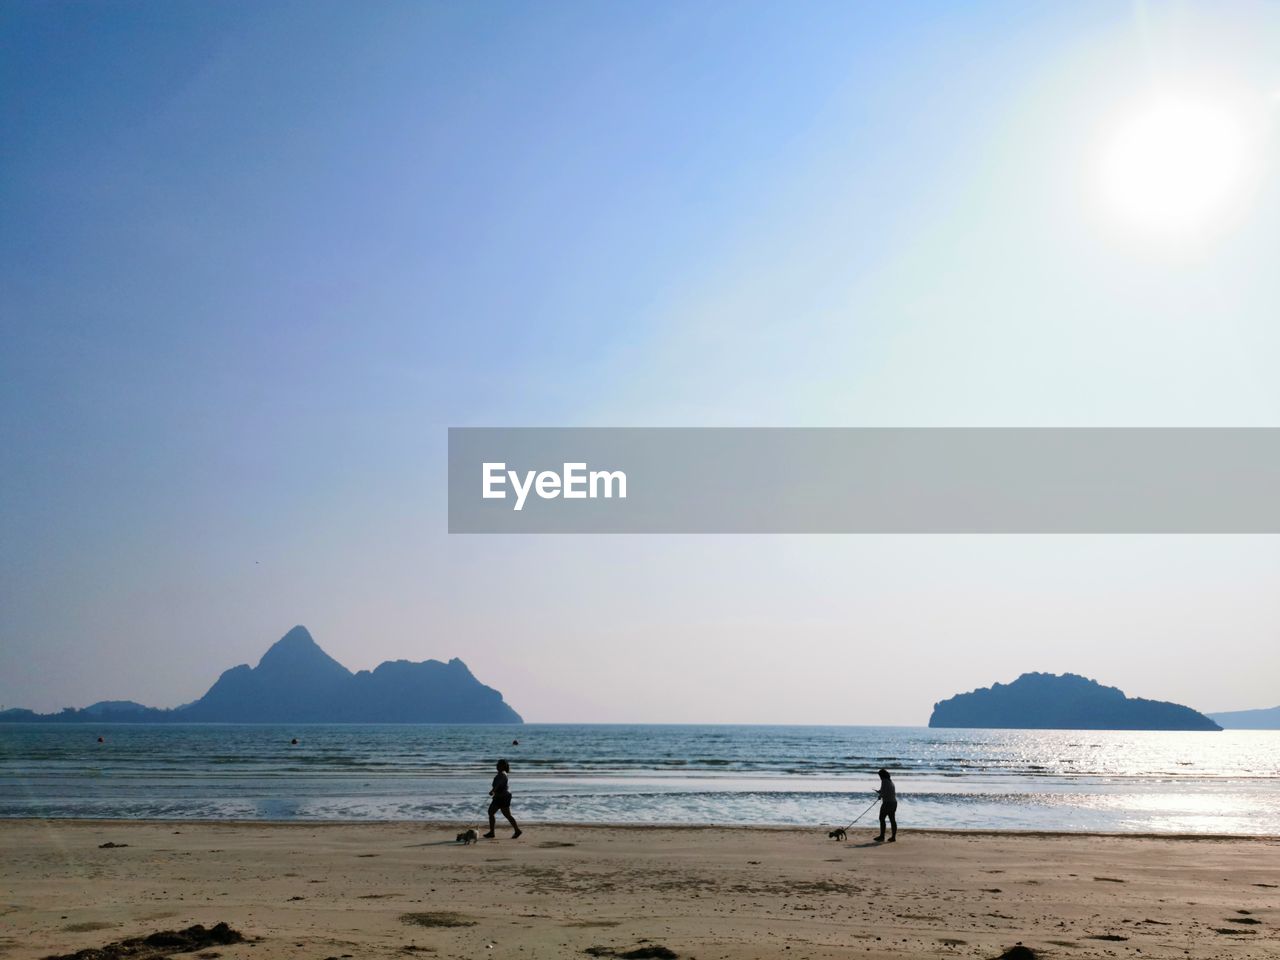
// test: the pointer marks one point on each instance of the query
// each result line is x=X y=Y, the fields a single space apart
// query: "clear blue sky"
x=257 y=257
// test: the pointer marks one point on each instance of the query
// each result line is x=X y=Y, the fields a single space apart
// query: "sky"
x=258 y=257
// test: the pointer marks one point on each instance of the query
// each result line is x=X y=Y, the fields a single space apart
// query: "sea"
x=819 y=776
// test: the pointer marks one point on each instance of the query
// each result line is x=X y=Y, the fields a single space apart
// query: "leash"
x=863 y=813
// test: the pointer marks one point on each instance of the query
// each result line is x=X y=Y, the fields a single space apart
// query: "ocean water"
x=1222 y=783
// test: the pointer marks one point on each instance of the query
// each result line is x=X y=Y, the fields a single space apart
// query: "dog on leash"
x=468 y=837
x=837 y=834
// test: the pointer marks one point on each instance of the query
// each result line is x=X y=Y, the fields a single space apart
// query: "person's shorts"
x=889 y=808
x=500 y=801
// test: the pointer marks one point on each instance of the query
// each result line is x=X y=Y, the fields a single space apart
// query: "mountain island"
x=297 y=682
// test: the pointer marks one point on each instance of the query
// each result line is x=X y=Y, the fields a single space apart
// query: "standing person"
x=888 y=795
x=501 y=794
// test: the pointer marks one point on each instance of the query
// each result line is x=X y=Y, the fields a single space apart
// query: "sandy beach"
x=395 y=890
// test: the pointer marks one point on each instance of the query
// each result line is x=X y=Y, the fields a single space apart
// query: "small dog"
x=837 y=834
x=468 y=837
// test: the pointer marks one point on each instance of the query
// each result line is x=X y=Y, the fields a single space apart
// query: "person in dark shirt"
x=888 y=794
x=501 y=794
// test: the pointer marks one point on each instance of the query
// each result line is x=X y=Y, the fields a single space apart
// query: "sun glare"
x=1174 y=166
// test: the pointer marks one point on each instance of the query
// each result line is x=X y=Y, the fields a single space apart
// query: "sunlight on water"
x=1004 y=779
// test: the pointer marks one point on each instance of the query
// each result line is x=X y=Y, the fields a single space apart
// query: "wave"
x=1018 y=779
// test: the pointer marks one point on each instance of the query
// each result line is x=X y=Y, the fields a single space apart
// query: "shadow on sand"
x=439 y=843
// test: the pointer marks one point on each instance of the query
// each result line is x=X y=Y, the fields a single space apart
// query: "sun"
x=1173 y=166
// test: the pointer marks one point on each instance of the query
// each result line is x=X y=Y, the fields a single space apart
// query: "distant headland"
x=297 y=682
x=1047 y=701
x=1267 y=718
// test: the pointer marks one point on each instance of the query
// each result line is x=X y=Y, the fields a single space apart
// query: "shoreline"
x=531 y=825
x=379 y=889
x=1086 y=781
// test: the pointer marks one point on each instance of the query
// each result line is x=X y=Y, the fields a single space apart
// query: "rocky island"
x=1047 y=701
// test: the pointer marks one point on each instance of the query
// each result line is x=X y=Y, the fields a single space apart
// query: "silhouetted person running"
x=501 y=794
x=888 y=795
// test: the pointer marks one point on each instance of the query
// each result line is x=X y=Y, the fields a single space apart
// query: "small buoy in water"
x=294 y=741
x=100 y=740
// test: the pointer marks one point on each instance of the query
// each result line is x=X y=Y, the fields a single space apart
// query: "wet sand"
x=399 y=890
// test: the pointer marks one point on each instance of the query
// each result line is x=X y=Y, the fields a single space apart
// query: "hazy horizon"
x=507 y=697
x=259 y=257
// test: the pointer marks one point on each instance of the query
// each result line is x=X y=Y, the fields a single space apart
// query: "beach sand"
x=398 y=890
